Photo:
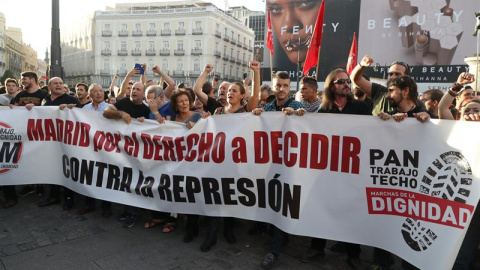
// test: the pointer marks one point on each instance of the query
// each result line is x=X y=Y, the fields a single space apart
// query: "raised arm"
x=143 y=78
x=112 y=85
x=165 y=78
x=197 y=88
x=124 y=87
x=358 y=79
x=444 y=105
x=254 y=98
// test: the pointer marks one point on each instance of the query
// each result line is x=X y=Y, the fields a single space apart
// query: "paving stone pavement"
x=51 y=238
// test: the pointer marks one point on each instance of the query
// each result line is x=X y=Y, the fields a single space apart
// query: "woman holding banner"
x=236 y=97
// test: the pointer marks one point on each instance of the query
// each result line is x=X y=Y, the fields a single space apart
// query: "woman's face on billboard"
x=291 y=20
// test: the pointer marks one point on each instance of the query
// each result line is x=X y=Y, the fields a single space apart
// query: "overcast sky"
x=34 y=16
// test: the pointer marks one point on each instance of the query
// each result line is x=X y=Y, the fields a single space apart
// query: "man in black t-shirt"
x=126 y=109
x=402 y=94
x=32 y=93
x=130 y=107
x=58 y=98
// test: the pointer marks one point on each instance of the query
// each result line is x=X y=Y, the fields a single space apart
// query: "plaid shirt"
x=272 y=106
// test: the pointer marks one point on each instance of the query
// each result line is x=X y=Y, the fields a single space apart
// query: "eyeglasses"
x=342 y=81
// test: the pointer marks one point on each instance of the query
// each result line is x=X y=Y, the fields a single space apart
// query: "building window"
x=152 y=26
x=181 y=25
x=151 y=45
x=217 y=27
x=166 y=45
x=138 y=27
x=179 y=65
x=198 y=25
x=166 y=26
x=137 y=46
x=106 y=27
x=198 y=44
x=180 y=45
x=226 y=31
x=123 y=64
x=123 y=45
x=150 y=64
x=225 y=50
x=106 y=65
x=164 y=65
x=196 y=65
x=106 y=46
x=124 y=27
x=231 y=52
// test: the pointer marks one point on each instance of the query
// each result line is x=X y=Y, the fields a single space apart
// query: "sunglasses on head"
x=342 y=81
x=401 y=63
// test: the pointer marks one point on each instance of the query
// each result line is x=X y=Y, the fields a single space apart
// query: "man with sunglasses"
x=375 y=91
x=338 y=98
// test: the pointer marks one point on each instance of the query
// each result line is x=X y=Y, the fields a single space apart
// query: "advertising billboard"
x=434 y=36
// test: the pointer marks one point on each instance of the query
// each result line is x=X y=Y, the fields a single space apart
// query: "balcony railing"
x=122 y=52
x=136 y=52
x=122 y=72
x=226 y=38
x=105 y=72
x=106 y=52
x=238 y=61
x=106 y=33
x=123 y=33
x=218 y=34
x=239 y=44
x=150 y=52
x=232 y=59
x=180 y=32
x=194 y=73
x=179 y=52
x=178 y=73
x=225 y=57
x=217 y=54
x=233 y=41
x=197 y=31
x=196 y=51
x=151 y=33
x=164 y=52
x=137 y=33
x=166 y=32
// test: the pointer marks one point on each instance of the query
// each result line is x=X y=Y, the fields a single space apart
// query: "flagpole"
x=318 y=61
x=271 y=67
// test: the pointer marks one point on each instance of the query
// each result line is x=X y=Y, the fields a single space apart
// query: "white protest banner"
x=408 y=187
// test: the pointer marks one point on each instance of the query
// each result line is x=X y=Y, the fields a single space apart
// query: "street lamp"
x=298 y=46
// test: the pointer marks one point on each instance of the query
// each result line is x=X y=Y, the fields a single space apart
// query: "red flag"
x=316 y=42
x=352 y=57
x=269 y=34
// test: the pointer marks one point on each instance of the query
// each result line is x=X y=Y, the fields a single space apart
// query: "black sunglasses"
x=342 y=81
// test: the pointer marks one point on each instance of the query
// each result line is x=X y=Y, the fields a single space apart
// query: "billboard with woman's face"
x=293 y=23
x=432 y=36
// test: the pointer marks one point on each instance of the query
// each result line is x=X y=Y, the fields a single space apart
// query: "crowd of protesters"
x=165 y=101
